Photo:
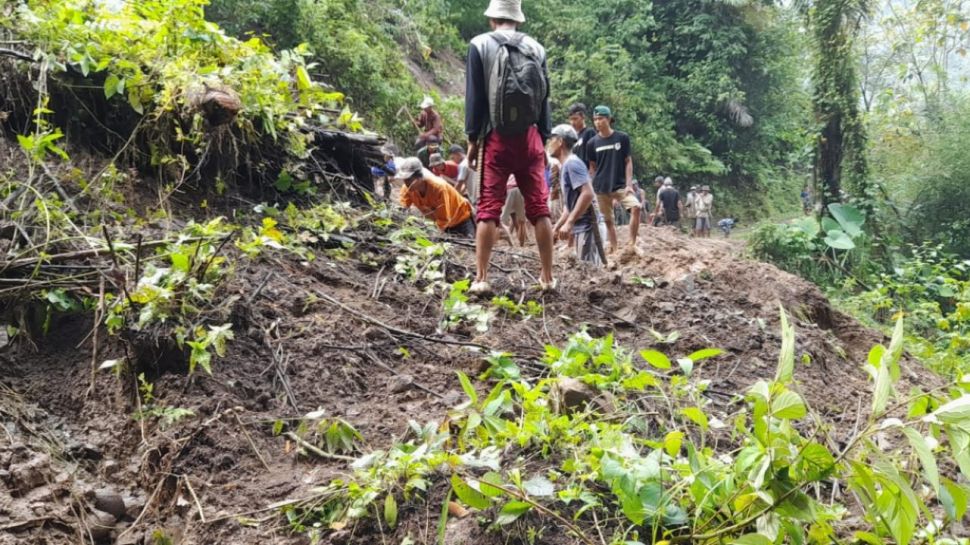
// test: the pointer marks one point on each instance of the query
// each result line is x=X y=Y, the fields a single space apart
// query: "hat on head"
x=455 y=148
x=566 y=132
x=427 y=102
x=408 y=167
x=602 y=111
x=436 y=159
x=433 y=140
x=693 y=188
x=706 y=188
x=658 y=180
x=668 y=182
x=505 y=9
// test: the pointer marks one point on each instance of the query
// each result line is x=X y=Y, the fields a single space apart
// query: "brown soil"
x=210 y=478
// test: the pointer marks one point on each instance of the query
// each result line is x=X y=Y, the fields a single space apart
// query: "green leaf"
x=110 y=86
x=788 y=406
x=954 y=412
x=850 y=218
x=656 y=359
x=868 y=537
x=697 y=416
x=875 y=355
x=925 y=455
x=491 y=478
x=838 y=240
x=303 y=82
x=705 y=354
x=786 y=358
x=443 y=520
x=539 y=487
x=511 y=512
x=816 y=463
x=881 y=391
x=672 y=442
x=954 y=499
x=390 y=511
x=752 y=539
x=180 y=262
x=466 y=385
x=135 y=101
x=468 y=495
x=808 y=225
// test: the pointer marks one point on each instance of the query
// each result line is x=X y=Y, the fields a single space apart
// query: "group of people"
x=564 y=180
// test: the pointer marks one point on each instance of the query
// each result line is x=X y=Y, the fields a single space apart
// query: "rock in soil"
x=110 y=502
x=100 y=524
x=399 y=383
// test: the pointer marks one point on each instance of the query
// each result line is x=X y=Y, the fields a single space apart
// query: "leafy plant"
x=167 y=416
x=458 y=310
x=526 y=310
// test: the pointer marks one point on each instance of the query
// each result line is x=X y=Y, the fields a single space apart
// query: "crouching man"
x=435 y=198
x=578 y=219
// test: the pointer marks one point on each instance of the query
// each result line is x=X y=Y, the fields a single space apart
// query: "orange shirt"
x=441 y=202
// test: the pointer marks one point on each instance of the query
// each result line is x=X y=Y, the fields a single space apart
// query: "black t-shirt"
x=669 y=198
x=579 y=149
x=610 y=155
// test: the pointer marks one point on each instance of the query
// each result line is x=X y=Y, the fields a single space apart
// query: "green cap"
x=603 y=111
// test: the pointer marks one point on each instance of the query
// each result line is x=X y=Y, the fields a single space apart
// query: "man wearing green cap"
x=611 y=167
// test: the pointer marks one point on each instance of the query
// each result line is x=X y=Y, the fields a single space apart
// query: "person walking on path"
x=507 y=117
x=584 y=133
x=669 y=206
x=435 y=198
x=704 y=210
x=578 y=219
x=430 y=123
x=611 y=167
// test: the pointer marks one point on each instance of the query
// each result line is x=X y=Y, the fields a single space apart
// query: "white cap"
x=506 y=9
x=427 y=102
x=408 y=167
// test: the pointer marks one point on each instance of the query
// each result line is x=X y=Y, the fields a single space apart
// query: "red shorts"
x=523 y=156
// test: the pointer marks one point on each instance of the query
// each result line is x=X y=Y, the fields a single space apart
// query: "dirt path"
x=346 y=337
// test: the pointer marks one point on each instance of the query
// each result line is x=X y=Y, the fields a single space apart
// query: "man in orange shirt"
x=435 y=198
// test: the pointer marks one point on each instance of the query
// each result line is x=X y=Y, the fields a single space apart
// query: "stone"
x=399 y=383
x=30 y=474
x=667 y=307
x=573 y=395
x=110 y=502
x=100 y=524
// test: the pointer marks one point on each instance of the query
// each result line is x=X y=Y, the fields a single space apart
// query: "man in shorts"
x=578 y=219
x=522 y=154
x=669 y=205
x=611 y=167
x=704 y=210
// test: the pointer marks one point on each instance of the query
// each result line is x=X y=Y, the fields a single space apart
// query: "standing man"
x=435 y=198
x=690 y=211
x=668 y=200
x=577 y=118
x=611 y=167
x=507 y=116
x=430 y=122
x=704 y=210
x=578 y=219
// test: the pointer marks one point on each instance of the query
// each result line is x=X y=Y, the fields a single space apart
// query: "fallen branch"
x=316 y=451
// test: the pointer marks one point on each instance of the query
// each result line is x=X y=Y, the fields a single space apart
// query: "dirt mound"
x=346 y=336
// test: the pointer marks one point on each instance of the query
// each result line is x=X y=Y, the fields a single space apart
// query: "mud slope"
x=327 y=336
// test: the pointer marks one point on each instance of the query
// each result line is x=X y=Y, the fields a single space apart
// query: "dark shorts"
x=464 y=229
x=586 y=249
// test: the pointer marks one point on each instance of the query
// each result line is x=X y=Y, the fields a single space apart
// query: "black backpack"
x=517 y=84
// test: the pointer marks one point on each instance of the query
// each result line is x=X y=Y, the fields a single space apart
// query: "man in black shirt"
x=611 y=167
x=577 y=118
x=668 y=201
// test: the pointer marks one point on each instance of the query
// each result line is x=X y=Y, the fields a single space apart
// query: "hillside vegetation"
x=212 y=331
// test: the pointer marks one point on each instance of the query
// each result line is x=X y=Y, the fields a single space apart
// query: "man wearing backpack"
x=507 y=119
x=611 y=167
